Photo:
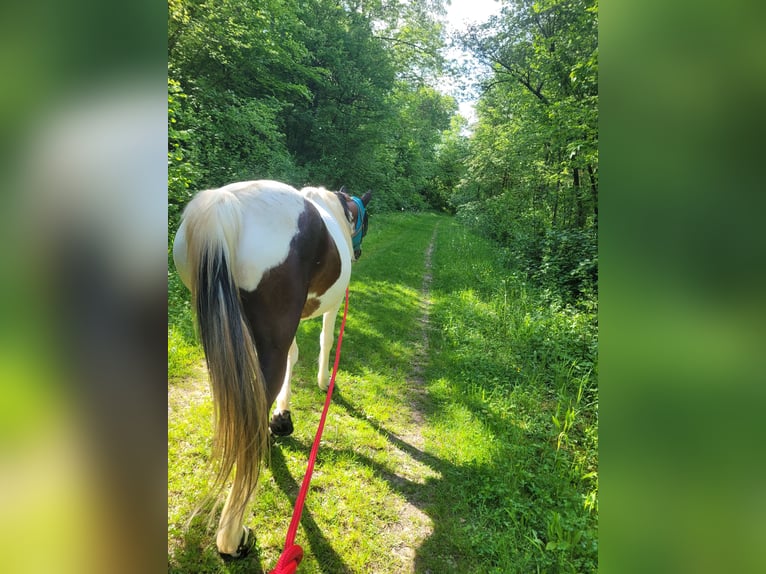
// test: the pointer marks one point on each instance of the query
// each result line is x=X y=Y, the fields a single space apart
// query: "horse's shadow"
x=417 y=494
x=197 y=550
x=417 y=454
x=328 y=559
x=422 y=495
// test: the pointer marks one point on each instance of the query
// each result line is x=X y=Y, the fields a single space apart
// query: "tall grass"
x=184 y=351
x=516 y=373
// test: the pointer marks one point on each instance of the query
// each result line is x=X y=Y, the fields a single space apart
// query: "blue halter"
x=356 y=236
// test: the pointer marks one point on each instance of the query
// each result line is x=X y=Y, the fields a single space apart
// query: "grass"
x=512 y=380
x=472 y=449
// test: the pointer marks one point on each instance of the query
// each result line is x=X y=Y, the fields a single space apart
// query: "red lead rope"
x=293 y=554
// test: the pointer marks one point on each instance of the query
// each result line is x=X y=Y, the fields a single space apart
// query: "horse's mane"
x=343 y=199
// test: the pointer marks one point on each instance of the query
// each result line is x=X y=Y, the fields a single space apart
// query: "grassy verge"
x=513 y=385
x=184 y=351
x=493 y=469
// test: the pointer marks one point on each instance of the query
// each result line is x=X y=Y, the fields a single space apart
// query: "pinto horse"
x=259 y=257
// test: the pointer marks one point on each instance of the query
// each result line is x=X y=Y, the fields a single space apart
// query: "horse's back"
x=267 y=213
x=270 y=219
x=285 y=234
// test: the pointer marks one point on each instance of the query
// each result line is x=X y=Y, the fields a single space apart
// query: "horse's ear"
x=342 y=189
x=366 y=198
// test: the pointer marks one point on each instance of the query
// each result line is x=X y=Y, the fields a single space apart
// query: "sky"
x=459 y=14
x=471 y=10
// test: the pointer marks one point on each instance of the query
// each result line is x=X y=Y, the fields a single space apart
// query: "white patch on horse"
x=266 y=231
x=269 y=212
x=331 y=212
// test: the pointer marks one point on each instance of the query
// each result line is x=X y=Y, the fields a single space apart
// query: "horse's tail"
x=213 y=221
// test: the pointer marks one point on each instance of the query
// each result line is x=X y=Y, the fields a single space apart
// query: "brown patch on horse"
x=312 y=304
x=281 y=299
x=326 y=267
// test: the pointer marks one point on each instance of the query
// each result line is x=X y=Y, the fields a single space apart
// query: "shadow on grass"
x=435 y=553
x=197 y=554
x=440 y=551
x=328 y=559
x=435 y=463
x=443 y=550
x=419 y=495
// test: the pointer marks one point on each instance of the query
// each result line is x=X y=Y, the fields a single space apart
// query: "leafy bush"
x=238 y=139
x=564 y=262
x=523 y=369
x=569 y=263
x=183 y=173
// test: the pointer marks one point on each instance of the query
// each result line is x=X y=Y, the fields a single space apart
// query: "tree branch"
x=524 y=81
x=406 y=43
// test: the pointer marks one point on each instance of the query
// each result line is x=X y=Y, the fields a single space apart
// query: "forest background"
x=347 y=93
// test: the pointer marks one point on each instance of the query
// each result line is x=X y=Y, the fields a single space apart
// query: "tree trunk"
x=594 y=193
x=580 y=208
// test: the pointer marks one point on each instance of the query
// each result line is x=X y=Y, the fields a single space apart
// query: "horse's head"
x=355 y=209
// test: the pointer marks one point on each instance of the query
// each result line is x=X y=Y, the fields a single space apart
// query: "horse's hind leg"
x=233 y=540
x=281 y=424
x=325 y=345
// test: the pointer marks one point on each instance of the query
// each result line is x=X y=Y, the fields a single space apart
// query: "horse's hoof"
x=244 y=548
x=281 y=424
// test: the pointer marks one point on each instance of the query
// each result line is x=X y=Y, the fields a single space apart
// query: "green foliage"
x=184 y=352
x=422 y=115
x=519 y=374
x=451 y=155
x=531 y=176
x=308 y=93
x=183 y=173
x=569 y=264
x=183 y=357
x=242 y=140
x=562 y=262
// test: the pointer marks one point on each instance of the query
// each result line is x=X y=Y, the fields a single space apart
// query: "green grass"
x=184 y=350
x=513 y=384
x=477 y=456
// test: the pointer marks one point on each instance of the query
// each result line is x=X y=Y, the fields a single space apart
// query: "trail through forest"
x=415 y=526
x=439 y=453
x=463 y=435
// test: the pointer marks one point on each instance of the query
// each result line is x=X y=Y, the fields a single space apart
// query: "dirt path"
x=421 y=354
x=415 y=526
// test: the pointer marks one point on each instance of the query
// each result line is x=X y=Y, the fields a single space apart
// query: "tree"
x=541 y=99
x=532 y=179
x=309 y=92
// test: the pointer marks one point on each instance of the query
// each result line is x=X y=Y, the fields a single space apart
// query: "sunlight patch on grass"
x=455 y=432
x=183 y=356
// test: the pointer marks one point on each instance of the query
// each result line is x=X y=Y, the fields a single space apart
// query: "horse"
x=259 y=257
